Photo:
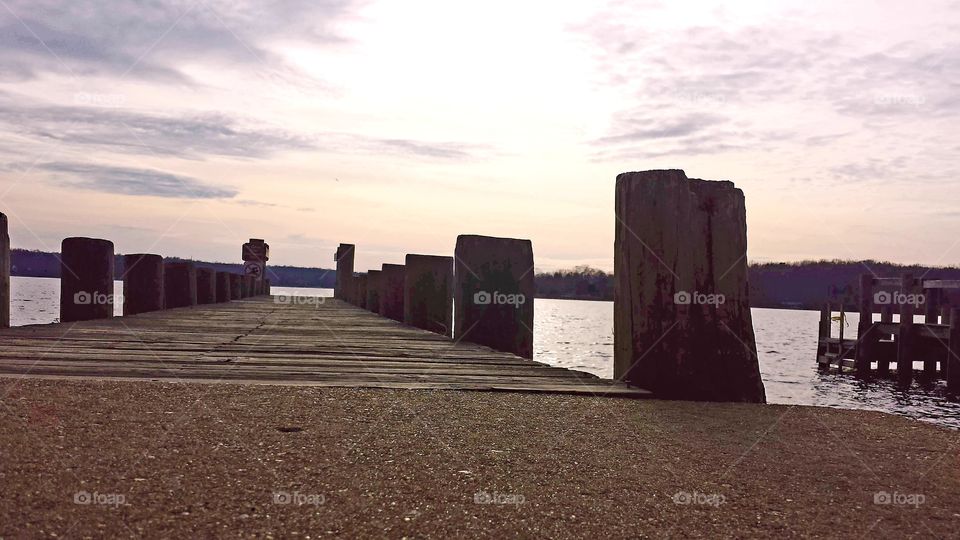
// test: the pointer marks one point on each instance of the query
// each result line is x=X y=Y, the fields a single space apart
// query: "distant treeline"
x=802 y=285
x=42 y=264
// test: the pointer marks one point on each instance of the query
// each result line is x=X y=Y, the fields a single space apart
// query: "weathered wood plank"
x=260 y=341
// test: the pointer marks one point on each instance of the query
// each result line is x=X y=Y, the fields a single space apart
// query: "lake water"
x=579 y=335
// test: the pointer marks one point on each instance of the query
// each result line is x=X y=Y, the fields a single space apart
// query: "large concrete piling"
x=223 y=287
x=206 y=286
x=344 y=258
x=494 y=293
x=86 y=279
x=4 y=272
x=392 y=282
x=682 y=322
x=142 y=283
x=373 y=291
x=428 y=293
x=180 y=284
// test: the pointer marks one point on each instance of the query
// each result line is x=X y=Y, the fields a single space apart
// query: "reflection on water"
x=579 y=335
x=37 y=300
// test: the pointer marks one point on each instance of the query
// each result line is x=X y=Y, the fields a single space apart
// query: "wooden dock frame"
x=935 y=342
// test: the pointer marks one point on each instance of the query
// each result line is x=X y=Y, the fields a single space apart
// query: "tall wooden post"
x=823 y=346
x=223 y=287
x=392 y=280
x=245 y=285
x=906 y=338
x=931 y=315
x=682 y=322
x=142 y=283
x=953 y=354
x=236 y=286
x=428 y=293
x=866 y=335
x=344 y=258
x=255 y=254
x=86 y=279
x=206 y=286
x=180 y=284
x=883 y=362
x=360 y=288
x=4 y=272
x=494 y=293
x=373 y=290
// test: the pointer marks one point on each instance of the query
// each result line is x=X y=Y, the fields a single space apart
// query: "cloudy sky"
x=184 y=128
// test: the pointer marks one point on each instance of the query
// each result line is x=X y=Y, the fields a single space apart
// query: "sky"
x=186 y=128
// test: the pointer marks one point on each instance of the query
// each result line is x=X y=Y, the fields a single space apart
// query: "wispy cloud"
x=151 y=40
x=132 y=181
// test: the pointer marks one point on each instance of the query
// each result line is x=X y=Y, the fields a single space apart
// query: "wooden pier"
x=281 y=340
x=885 y=342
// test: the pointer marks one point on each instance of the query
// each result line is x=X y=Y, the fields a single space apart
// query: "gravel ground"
x=162 y=460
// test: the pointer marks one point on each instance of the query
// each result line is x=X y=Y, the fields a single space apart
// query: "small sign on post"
x=256 y=253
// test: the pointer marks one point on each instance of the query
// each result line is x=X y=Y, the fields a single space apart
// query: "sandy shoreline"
x=165 y=459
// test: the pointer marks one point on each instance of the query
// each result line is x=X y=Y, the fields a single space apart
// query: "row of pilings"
x=87 y=276
x=483 y=294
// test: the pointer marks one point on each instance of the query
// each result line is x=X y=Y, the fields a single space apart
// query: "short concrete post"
x=953 y=354
x=905 y=339
x=682 y=322
x=428 y=293
x=142 y=284
x=373 y=291
x=206 y=286
x=180 y=284
x=236 y=286
x=392 y=281
x=86 y=279
x=867 y=336
x=4 y=272
x=344 y=258
x=223 y=287
x=493 y=293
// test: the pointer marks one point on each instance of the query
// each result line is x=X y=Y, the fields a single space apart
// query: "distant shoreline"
x=797 y=286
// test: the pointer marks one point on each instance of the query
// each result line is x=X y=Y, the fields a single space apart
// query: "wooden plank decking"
x=261 y=341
